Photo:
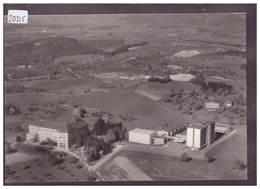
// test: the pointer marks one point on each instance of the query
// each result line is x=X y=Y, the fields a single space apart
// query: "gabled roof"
x=76 y=125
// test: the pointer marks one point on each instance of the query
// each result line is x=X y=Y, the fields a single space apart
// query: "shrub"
x=210 y=159
x=184 y=157
x=27 y=167
x=18 y=139
x=8 y=150
x=238 y=164
x=60 y=167
x=73 y=160
x=79 y=166
x=52 y=160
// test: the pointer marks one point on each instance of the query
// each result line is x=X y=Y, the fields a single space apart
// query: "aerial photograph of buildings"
x=125 y=97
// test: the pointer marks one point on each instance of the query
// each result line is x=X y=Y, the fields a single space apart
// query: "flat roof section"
x=143 y=131
x=197 y=126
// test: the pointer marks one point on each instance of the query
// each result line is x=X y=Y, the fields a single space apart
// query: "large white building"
x=200 y=135
x=141 y=136
x=63 y=133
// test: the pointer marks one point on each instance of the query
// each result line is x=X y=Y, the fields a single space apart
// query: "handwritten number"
x=17 y=18
x=10 y=16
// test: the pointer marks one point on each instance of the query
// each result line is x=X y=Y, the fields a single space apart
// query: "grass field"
x=38 y=168
x=161 y=167
x=131 y=169
x=149 y=113
x=234 y=146
x=68 y=84
x=174 y=85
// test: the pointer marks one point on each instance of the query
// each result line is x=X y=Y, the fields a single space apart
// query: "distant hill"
x=45 y=50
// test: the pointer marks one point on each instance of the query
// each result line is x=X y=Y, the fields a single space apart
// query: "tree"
x=111 y=135
x=53 y=160
x=210 y=158
x=18 y=139
x=184 y=157
x=179 y=107
x=8 y=150
x=238 y=164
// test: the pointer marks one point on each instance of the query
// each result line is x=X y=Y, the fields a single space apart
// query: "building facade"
x=172 y=130
x=141 y=136
x=221 y=128
x=200 y=135
x=65 y=135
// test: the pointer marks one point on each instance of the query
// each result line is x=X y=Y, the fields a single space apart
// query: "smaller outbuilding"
x=211 y=106
x=221 y=128
x=227 y=103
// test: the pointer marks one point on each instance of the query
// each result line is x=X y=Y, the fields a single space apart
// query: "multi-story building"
x=200 y=135
x=63 y=133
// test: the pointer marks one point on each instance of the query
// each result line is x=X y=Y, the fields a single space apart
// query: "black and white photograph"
x=125 y=96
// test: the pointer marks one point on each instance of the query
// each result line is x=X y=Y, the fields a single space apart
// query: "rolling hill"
x=45 y=50
x=149 y=113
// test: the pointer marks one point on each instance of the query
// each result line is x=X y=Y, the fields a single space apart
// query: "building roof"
x=172 y=127
x=227 y=102
x=212 y=105
x=201 y=124
x=197 y=126
x=51 y=124
x=61 y=126
x=76 y=125
x=157 y=136
x=143 y=131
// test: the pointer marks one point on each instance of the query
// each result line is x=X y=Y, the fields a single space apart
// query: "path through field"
x=131 y=169
x=148 y=95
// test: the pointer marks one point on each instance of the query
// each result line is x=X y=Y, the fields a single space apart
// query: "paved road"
x=106 y=158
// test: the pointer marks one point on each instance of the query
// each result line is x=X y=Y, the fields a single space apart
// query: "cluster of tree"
x=159 y=80
x=198 y=80
x=46 y=51
x=238 y=164
x=219 y=88
x=32 y=109
x=8 y=149
x=137 y=44
x=14 y=89
x=101 y=127
x=53 y=159
x=186 y=102
x=95 y=147
x=123 y=49
x=18 y=139
x=12 y=109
